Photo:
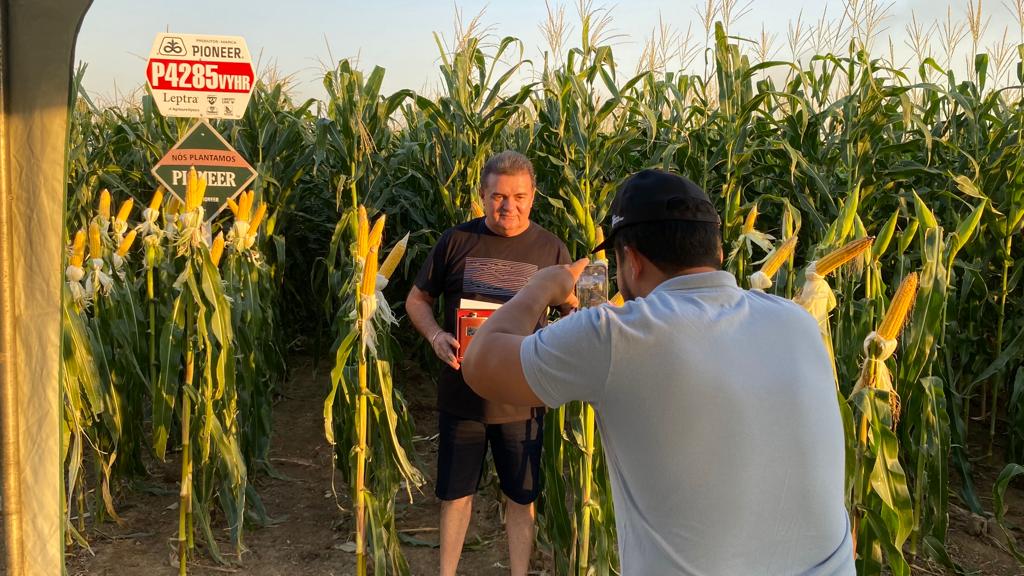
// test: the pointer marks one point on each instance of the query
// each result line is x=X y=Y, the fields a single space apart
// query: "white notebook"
x=470 y=304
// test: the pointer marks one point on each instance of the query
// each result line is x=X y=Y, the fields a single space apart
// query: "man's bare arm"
x=419 y=305
x=492 y=366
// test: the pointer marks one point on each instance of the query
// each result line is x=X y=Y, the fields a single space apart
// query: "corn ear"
x=233 y=207
x=104 y=206
x=391 y=262
x=837 y=258
x=598 y=239
x=748 y=223
x=158 y=198
x=126 y=210
x=244 y=206
x=78 y=249
x=126 y=244
x=257 y=219
x=190 y=189
x=476 y=209
x=778 y=257
x=618 y=299
x=95 y=246
x=899 y=308
x=173 y=206
x=195 y=191
x=217 y=250
x=377 y=233
x=368 y=287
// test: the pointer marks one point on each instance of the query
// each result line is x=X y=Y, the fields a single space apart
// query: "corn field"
x=887 y=199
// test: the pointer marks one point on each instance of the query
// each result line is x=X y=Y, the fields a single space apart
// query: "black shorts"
x=515 y=448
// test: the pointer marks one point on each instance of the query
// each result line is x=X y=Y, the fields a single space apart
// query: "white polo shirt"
x=718 y=414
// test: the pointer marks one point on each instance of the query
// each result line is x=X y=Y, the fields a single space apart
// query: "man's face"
x=507 y=200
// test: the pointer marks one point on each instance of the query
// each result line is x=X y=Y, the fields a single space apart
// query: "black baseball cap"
x=658 y=196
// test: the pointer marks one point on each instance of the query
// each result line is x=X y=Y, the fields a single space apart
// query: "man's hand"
x=554 y=285
x=446 y=348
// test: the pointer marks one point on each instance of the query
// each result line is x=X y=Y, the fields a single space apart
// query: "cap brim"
x=606 y=245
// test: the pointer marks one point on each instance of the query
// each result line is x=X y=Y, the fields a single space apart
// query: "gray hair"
x=507 y=163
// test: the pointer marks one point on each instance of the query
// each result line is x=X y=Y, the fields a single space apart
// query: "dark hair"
x=673 y=245
x=507 y=163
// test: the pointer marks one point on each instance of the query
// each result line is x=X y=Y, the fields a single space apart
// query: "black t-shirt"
x=471 y=261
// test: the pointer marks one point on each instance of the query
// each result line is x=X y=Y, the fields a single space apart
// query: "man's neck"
x=659 y=277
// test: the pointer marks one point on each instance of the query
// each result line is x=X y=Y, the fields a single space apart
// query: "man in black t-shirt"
x=487 y=259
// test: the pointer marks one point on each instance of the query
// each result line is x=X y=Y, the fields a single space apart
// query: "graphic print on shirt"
x=495 y=277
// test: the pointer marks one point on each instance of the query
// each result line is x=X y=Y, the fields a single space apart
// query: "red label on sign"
x=195 y=76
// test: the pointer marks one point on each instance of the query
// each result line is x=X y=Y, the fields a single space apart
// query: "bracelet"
x=432 y=338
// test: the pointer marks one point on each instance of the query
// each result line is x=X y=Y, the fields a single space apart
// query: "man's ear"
x=637 y=263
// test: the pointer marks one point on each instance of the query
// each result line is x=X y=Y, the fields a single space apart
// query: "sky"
x=299 y=38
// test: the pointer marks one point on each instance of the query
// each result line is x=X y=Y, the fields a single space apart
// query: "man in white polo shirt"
x=716 y=405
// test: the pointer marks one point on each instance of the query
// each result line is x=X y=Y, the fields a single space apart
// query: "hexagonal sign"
x=195 y=76
x=226 y=172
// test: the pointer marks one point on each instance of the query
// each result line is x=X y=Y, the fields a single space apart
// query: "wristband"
x=434 y=337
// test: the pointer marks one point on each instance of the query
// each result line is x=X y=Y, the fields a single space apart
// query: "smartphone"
x=592 y=286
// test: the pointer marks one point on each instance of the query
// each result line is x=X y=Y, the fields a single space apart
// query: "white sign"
x=194 y=76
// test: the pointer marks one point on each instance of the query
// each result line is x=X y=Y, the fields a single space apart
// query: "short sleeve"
x=432 y=275
x=570 y=359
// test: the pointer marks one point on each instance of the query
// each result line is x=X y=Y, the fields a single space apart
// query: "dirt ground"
x=311 y=528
